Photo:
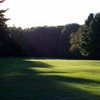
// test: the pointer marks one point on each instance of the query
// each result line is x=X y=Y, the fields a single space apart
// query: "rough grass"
x=36 y=79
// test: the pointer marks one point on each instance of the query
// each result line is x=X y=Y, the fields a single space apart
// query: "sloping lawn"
x=48 y=79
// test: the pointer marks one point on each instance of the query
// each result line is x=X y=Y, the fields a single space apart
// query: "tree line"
x=71 y=41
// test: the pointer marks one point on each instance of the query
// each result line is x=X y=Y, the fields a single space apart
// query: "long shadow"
x=20 y=66
x=31 y=85
x=72 y=79
x=20 y=62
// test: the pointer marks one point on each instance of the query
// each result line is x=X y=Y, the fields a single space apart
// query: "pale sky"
x=31 y=13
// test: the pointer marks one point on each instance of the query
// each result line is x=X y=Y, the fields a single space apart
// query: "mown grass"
x=48 y=79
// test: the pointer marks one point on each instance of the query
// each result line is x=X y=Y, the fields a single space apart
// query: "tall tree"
x=65 y=39
x=4 y=38
x=89 y=37
x=94 y=46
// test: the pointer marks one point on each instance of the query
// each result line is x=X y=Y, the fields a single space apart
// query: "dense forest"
x=71 y=41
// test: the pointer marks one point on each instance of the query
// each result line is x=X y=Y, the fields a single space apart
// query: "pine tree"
x=90 y=37
x=4 y=37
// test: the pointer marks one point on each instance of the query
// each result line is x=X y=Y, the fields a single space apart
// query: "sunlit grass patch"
x=48 y=79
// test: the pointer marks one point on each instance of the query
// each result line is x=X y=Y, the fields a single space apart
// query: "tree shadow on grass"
x=19 y=66
x=32 y=85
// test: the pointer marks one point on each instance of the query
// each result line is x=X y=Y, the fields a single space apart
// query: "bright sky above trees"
x=29 y=13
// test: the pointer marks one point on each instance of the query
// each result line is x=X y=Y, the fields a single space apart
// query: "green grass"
x=47 y=79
